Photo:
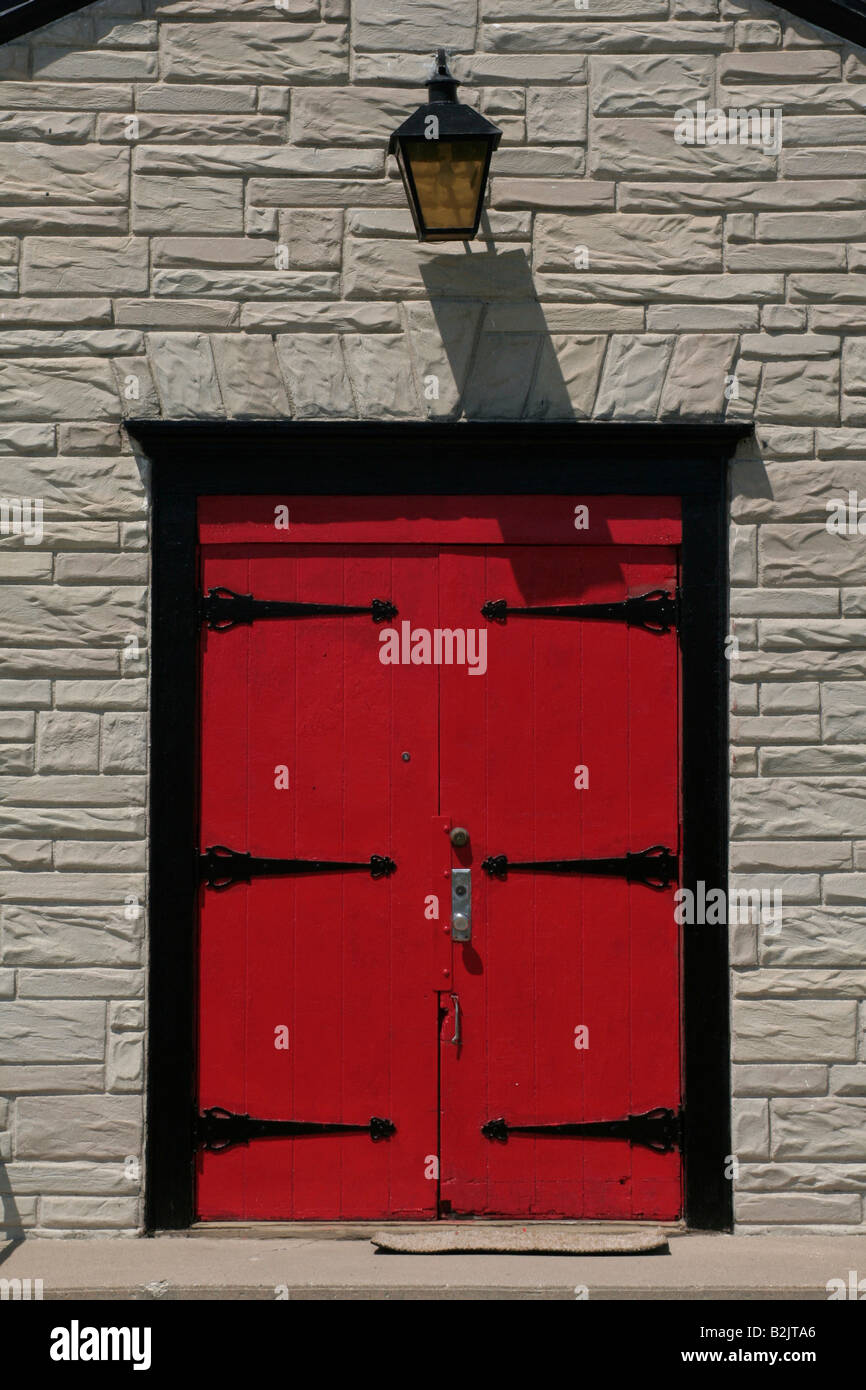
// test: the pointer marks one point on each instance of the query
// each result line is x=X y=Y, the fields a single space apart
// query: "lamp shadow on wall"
x=11 y=1222
x=500 y=351
x=505 y=366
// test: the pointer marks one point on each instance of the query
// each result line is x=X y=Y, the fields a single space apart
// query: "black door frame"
x=189 y=459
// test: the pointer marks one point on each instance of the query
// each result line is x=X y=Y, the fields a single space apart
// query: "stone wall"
x=197 y=218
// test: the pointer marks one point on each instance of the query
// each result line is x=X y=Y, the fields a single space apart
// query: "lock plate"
x=461 y=904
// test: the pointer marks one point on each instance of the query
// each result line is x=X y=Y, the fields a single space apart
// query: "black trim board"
x=190 y=459
x=846 y=18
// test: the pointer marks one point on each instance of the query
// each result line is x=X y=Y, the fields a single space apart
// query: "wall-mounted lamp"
x=443 y=151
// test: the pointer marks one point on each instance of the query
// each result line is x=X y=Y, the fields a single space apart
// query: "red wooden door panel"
x=334 y=998
x=553 y=954
x=328 y=958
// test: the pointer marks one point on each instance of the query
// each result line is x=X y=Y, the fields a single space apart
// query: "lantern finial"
x=442 y=85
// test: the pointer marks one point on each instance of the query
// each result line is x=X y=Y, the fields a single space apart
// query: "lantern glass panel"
x=448 y=178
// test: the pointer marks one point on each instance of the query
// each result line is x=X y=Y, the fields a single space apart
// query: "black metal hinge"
x=220 y=867
x=218 y=1129
x=222 y=609
x=659 y=1130
x=657 y=611
x=655 y=867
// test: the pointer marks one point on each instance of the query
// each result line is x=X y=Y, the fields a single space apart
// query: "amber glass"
x=447 y=175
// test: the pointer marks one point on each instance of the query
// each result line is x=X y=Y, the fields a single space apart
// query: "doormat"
x=521 y=1240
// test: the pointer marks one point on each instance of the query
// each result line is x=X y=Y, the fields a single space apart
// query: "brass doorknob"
x=459 y=837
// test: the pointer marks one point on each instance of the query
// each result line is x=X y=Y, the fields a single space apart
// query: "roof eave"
x=844 y=18
x=34 y=14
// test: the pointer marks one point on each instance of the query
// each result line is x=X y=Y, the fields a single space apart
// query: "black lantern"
x=444 y=151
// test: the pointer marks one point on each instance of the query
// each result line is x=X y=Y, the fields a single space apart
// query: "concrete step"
x=197 y=1267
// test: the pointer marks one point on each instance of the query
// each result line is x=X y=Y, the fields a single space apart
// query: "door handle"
x=457 y=1030
x=461 y=904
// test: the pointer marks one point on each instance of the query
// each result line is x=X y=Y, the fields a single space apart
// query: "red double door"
x=413 y=969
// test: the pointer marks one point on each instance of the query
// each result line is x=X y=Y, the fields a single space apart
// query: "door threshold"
x=363 y=1230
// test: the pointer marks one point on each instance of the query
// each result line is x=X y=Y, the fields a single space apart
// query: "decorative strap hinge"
x=659 y=1130
x=217 y=1129
x=222 y=609
x=657 y=611
x=656 y=867
x=220 y=867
